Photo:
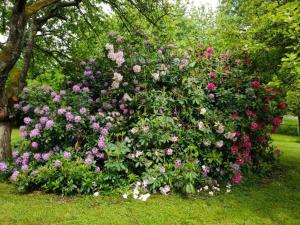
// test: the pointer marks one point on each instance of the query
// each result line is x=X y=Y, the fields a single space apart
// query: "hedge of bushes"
x=150 y=118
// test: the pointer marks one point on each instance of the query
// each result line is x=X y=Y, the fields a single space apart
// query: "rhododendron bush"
x=150 y=116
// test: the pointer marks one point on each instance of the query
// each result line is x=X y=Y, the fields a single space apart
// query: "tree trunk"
x=5 y=135
x=5 y=130
x=298 y=124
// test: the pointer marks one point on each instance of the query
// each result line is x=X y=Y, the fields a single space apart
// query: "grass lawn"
x=273 y=200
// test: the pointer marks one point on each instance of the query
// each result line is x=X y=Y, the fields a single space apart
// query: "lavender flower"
x=85 y=89
x=82 y=111
x=37 y=156
x=35 y=132
x=27 y=120
x=88 y=73
x=14 y=175
x=26 y=108
x=67 y=155
x=162 y=170
x=3 y=167
x=177 y=162
x=97 y=169
x=49 y=124
x=69 y=116
x=76 y=88
x=95 y=126
x=15 y=154
x=77 y=119
x=58 y=164
x=34 y=144
x=24 y=167
x=169 y=151
x=205 y=170
x=43 y=120
x=69 y=126
x=46 y=156
x=23 y=128
x=101 y=143
x=38 y=126
x=61 y=111
x=88 y=161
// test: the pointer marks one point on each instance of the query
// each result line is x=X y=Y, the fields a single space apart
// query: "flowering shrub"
x=148 y=114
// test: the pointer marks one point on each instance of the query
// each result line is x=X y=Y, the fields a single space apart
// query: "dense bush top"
x=152 y=116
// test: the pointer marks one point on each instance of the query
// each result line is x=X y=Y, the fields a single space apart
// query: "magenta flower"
x=212 y=74
x=210 y=50
x=282 y=105
x=254 y=126
x=246 y=137
x=211 y=86
x=255 y=84
x=234 y=149
x=276 y=121
x=237 y=178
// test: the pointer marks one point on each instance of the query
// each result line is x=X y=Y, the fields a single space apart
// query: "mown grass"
x=273 y=200
x=289 y=126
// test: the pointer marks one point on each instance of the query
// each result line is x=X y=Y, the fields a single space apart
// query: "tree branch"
x=33 y=8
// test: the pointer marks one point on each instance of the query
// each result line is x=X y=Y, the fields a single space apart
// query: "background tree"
x=293 y=100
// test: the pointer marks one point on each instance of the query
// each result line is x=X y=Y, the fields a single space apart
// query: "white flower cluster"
x=139 y=187
x=118 y=57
